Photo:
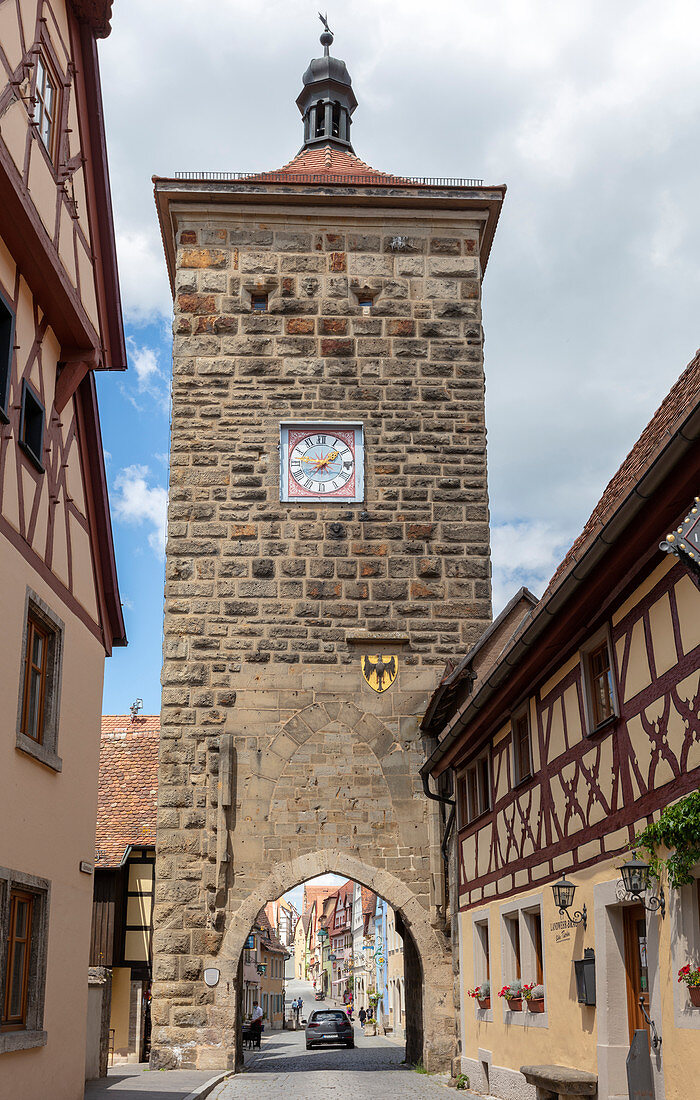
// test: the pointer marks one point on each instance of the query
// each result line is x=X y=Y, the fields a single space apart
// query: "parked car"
x=329 y=1025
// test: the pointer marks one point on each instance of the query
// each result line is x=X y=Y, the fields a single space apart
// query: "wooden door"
x=636 y=968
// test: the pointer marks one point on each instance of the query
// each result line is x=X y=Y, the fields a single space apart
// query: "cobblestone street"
x=372 y=1071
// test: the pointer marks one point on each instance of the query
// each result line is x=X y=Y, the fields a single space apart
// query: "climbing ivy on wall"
x=678 y=829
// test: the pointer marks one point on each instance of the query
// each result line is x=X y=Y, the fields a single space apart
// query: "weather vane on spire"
x=327 y=36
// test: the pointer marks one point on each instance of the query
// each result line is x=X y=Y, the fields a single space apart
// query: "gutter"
x=447 y=800
x=680 y=444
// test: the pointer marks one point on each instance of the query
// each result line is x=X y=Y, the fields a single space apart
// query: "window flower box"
x=534 y=997
x=481 y=994
x=513 y=995
x=691 y=977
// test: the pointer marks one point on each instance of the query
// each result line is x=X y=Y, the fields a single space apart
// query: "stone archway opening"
x=341 y=971
x=426 y=979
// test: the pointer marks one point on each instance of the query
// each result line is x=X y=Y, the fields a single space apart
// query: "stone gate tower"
x=328 y=549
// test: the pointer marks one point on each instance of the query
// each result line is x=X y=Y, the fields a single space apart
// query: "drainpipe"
x=448 y=801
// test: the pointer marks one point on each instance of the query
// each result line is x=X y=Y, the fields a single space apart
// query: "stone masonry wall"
x=277 y=759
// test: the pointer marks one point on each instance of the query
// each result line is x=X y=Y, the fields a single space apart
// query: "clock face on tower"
x=321 y=460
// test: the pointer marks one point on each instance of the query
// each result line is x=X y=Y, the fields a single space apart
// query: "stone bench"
x=560 y=1082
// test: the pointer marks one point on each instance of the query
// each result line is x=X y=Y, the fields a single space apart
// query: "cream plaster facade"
x=57 y=324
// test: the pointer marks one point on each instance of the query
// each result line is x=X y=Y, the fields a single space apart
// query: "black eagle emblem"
x=379 y=672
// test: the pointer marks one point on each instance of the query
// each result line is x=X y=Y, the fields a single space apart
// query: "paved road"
x=285 y=1069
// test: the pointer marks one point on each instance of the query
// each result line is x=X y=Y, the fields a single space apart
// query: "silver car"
x=329 y=1025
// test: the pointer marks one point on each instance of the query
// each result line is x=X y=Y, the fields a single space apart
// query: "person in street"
x=363 y=1016
x=256 y=1018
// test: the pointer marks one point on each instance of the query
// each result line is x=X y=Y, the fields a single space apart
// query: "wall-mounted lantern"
x=585 y=977
x=211 y=976
x=563 y=898
x=635 y=880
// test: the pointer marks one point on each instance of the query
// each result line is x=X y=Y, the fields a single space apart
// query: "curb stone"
x=207 y=1088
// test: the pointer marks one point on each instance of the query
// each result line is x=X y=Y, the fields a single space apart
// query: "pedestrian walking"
x=256 y=1021
x=363 y=1016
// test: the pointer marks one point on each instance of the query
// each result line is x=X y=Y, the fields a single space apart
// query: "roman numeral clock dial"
x=322 y=461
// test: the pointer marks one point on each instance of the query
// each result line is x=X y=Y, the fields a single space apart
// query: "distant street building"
x=363 y=909
x=60 y=608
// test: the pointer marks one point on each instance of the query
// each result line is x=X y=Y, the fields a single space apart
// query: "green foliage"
x=462 y=1081
x=678 y=829
x=420 y=1068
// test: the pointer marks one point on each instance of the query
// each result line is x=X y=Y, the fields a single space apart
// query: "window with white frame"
x=482 y=952
x=522 y=949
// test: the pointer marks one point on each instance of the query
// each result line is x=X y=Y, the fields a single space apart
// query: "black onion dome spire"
x=327 y=100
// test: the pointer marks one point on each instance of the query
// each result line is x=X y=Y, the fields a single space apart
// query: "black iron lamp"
x=564 y=897
x=635 y=880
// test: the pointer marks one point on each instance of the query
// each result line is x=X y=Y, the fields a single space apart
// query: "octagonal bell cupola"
x=327 y=100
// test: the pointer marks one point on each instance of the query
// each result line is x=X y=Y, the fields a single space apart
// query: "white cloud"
x=525 y=553
x=142 y=273
x=137 y=502
x=151 y=380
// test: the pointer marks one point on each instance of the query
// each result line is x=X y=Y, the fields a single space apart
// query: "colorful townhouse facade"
x=341 y=943
x=574 y=754
x=60 y=321
x=363 y=909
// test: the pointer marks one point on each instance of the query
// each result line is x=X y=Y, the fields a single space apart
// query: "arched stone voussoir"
x=286 y=875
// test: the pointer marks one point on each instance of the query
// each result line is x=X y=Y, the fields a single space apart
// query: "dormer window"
x=46 y=104
x=258 y=303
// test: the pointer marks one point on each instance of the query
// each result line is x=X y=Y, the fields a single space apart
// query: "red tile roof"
x=674 y=408
x=269 y=939
x=128 y=785
x=325 y=164
x=369 y=900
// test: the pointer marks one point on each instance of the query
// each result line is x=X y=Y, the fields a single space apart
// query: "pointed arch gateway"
x=430 y=1021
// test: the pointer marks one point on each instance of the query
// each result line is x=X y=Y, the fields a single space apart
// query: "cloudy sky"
x=587 y=110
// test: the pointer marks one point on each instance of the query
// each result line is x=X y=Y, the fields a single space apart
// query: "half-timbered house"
x=60 y=320
x=122 y=912
x=582 y=725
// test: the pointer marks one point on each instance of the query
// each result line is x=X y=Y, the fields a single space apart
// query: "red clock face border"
x=351 y=434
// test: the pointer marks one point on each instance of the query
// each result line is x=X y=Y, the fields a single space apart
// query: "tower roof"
x=327 y=100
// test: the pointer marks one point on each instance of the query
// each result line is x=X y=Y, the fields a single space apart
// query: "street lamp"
x=563 y=898
x=635 y=879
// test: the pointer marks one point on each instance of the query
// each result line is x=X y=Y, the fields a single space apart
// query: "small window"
x=512 y=929
x=31 y=426
x=335 y=120
x=598 y=682
x=24 y=915
x=36 y=663
x=46 y=104
x=522 y=751
x=7 y=339
x=40 y=685
x=14 y=1013
x=478 y=784
x=535 y=920
x=258 y=303
x=483 y=953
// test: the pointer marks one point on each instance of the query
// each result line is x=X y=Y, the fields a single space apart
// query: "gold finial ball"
x=670 y=538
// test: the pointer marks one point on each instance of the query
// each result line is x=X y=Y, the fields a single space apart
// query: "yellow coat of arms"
x=379 y=672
